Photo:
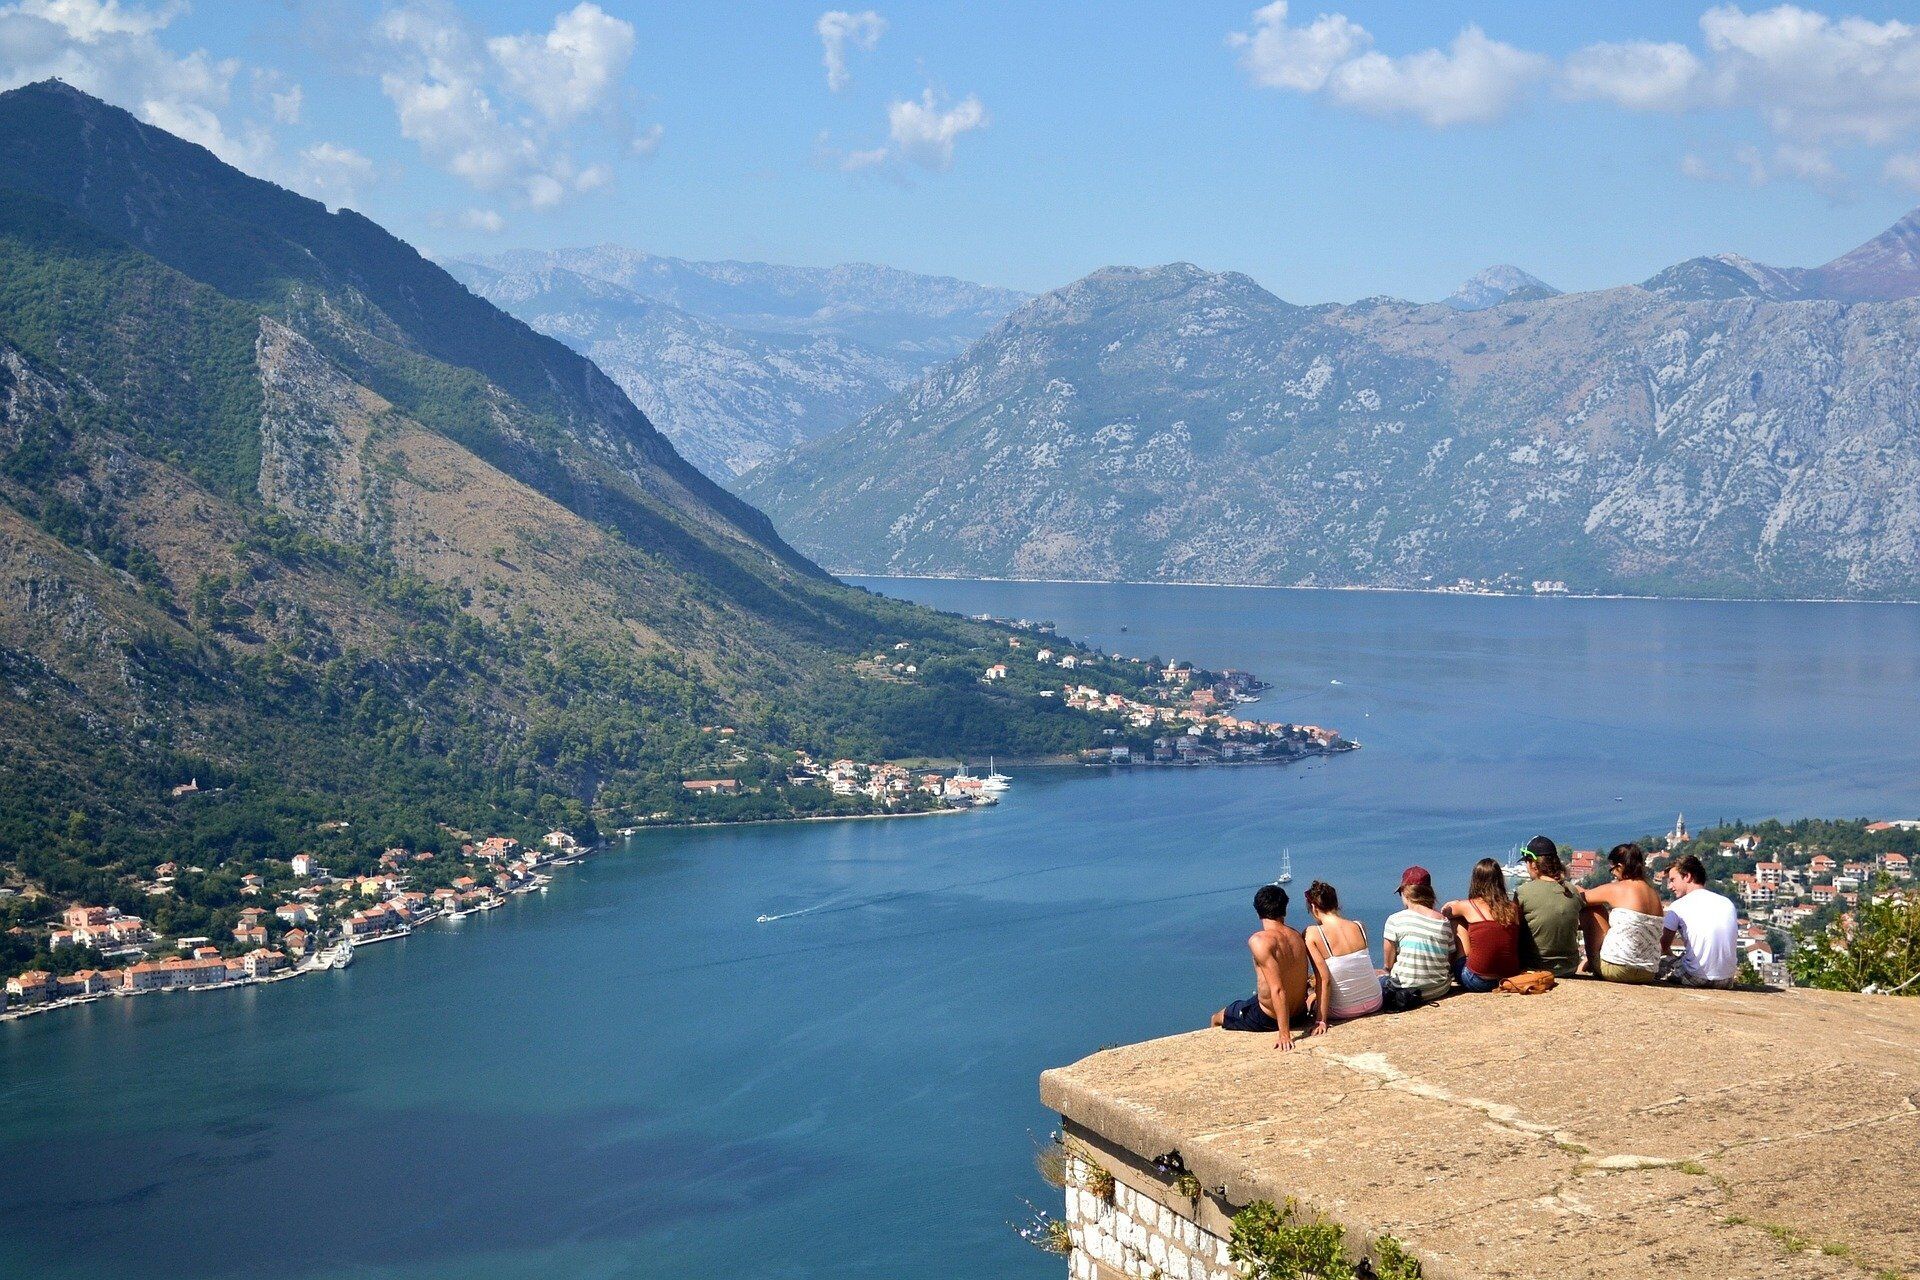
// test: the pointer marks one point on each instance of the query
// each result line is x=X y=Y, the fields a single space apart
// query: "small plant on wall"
x=1045 y=1232
x=1098 y=1181
x=1272 y=1242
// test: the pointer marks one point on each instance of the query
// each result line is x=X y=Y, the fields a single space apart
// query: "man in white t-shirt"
x=1709 y=925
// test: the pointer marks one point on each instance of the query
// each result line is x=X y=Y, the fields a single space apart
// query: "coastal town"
x=313 y=923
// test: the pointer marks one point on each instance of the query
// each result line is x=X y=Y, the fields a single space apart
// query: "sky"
x=1331 y=151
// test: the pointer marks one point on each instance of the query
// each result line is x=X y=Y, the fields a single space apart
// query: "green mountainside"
x=286 y=511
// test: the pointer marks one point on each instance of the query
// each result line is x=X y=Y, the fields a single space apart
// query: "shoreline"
x=845 y=574
x=307 y=968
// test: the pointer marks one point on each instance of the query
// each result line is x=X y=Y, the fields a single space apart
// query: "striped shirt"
x=1424 y=952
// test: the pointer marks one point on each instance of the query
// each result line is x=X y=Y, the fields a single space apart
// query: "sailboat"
x=1286 y=867
x=1517 y=868
x=995 y=781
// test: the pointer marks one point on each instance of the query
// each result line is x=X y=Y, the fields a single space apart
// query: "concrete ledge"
x=1595 y=1131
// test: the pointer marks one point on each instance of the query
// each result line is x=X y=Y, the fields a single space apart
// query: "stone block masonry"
x=1596 y=1132
x=1145 y=1231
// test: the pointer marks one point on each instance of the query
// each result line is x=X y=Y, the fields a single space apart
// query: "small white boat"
x=995 y=780
x=1286 y=867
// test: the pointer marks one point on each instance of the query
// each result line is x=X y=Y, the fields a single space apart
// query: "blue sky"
x=1331 y=151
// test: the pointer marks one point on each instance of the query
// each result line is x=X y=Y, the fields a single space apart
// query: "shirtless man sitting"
x=1279 y=973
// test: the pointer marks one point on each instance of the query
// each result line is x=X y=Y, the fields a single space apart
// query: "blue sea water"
x=629 y=1077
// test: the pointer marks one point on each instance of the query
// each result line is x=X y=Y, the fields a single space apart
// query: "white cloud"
x=572 y=69
x=1815 y=86
x=1476 y=80
x=287 y=104
x=840 y=31
x=647 y=141
x=487 y=220
x=92 y=21
x=453 y=91
x=1279 y=56
x=1902 y=170
x=924 y=129
x=1639 y=74
x=335 y=174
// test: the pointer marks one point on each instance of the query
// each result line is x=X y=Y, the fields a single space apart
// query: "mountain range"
x=737 y=362
x=288 y=512
x=1722 y=428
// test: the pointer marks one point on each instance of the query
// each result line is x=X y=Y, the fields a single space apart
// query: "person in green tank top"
x=1550 y=911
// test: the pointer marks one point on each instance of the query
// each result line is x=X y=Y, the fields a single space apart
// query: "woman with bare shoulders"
x=1345 y=982
x=1488 y=924
x=1623 y=920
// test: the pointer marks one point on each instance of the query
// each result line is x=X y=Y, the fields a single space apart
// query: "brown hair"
x=1489 y=888
x=1321 y=897
x=1419 y=894
x=1690 y=867
x=1630 y=860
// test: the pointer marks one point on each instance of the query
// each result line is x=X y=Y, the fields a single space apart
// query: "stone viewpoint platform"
x=1593 y=1131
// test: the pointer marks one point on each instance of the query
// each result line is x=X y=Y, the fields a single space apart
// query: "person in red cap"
x=1418 y=946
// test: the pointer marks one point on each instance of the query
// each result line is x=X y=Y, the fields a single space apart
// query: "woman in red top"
x=1488 y=924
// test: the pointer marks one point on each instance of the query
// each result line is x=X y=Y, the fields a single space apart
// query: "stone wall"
x=1145 y=1229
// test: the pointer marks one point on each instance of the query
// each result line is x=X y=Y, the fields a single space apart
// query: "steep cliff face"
x=1690 y=435
x=739 y=362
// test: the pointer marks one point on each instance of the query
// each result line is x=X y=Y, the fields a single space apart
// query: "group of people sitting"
x=1327 y=975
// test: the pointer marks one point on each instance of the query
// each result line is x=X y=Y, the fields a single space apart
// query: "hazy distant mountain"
x=740 y=361
x=1496 y=285
x=1699 y=433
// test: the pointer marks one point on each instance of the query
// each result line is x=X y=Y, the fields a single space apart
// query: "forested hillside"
x=286 y=511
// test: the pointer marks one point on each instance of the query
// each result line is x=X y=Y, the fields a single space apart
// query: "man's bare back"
x=1280 y=955
x=1279 y=973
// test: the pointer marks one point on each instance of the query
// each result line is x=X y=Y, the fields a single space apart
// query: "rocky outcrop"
x=314 y=427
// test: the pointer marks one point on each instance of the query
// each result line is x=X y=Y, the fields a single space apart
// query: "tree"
x=1878 y=951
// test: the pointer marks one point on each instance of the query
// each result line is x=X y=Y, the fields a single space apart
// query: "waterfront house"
x=35 y=986
x=84 y=982
x=261 y=962
x=296 y=941
x=250 y=935
x=497 y=847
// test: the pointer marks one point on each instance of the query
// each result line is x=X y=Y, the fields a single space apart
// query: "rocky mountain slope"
x=1716 y=430
x=285 y=509
x=738 y=361
x=1496 y=285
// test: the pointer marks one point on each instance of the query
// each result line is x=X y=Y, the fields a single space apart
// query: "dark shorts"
x=1247 y=1015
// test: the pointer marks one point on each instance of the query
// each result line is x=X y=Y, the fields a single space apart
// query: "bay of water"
x=629 y=1077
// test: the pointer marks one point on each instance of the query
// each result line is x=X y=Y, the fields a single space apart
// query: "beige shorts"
x=1626 y=973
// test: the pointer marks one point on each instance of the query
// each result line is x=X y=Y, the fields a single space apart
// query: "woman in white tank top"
x=1624 y=920
x=1346 y=983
